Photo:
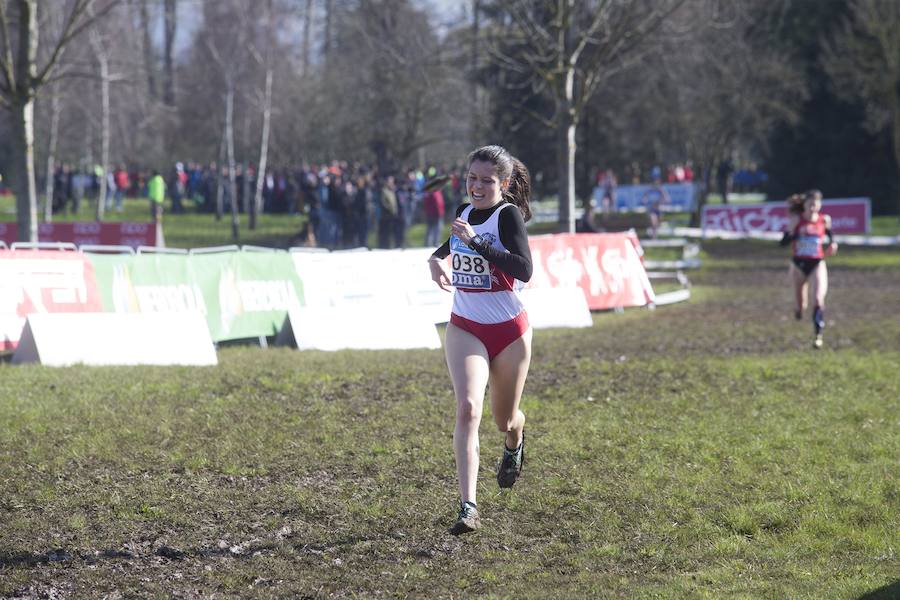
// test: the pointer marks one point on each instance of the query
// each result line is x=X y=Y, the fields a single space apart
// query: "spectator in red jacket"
x=433 y=205
x=123 y=183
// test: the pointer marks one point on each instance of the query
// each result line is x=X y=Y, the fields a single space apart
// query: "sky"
x=444 y=14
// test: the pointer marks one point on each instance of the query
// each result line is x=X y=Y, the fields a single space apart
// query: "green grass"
x=885 y=225
x=701 y=450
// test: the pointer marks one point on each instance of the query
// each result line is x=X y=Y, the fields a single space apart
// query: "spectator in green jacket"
x=156 y=191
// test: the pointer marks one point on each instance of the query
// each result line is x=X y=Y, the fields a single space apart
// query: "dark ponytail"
x=795 y=203
x=508 y=167
x=519 y=190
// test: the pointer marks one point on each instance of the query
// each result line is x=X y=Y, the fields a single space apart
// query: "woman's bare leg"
x=800 y=288
x=508 y=372
x=819 y=283
x=467 y=361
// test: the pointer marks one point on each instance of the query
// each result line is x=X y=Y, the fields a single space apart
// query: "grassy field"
x=700 y=450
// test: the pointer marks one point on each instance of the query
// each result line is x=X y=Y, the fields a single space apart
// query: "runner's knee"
x=468 y=410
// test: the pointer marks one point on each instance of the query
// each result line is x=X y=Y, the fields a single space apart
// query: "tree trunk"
x=307 y=32
x=263 y=147
x=566 y=166
x=149 y=62
x=24 y=185
x=566 y=118
x=229 y=145
x=168 y=64
x=476 y=26
x=104 y=136
x=220 y=208
x=100 y=52
x=55 y=110
x=567 y=125
x=326 y=42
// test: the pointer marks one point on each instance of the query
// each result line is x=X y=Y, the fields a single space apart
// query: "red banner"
x=606 y=266
x=850 y=215
x=89 y=232
x=43 y=281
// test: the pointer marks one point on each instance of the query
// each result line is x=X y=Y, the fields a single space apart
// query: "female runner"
x=808 y=229
x=488 y=339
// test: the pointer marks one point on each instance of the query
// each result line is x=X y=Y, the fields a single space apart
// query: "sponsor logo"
x=88 y=228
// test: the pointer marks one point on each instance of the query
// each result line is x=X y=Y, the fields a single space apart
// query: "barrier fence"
x=249 y=292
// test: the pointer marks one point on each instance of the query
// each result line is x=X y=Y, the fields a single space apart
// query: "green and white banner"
x=241 y=294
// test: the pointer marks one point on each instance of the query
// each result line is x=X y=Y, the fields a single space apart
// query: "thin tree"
x=21 y=76
x=268 y=61
x=49 y=180
x=307 y=38
x=147 y=47
x=565 y=50
x=98 y=46
x=225 y=50
x=170 y=20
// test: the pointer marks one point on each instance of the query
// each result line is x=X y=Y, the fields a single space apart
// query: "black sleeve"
x=517 y=261
x=444 y=250
x=786 y=239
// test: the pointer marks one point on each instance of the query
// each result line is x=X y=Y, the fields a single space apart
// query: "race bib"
x=808 y=247
x=470 y=269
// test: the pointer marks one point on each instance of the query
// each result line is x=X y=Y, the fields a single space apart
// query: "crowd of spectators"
x=343 y=201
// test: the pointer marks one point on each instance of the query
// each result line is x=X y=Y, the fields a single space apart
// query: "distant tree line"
x=807 y=89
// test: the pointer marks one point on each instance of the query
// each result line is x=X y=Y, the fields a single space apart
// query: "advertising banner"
x=848 y=215
x=33 y=281
x=241 y=294
x=670 y=197
x=248 y=294
x=606 y=266
x=372 y=279
x=147 y=283
x=90 y=232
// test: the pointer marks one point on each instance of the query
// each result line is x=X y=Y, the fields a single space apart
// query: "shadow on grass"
x=889 y=592
x=30 y=559
x=246 y=550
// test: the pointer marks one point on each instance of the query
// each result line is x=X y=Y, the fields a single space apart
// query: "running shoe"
x=511 y=465
x=468 y=519
x=818 y=342
x=798 y=314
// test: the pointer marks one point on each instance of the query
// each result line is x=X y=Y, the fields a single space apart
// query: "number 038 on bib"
x=470 y=269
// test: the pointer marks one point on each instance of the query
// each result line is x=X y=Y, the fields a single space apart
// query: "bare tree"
x=99 y=47
x=170 y=19
x=55 y=110
x=307 y=38
x=22 y=77
x=565 y=50
x=225 y=38
x=147 y=46
x=863 y=62
x=266 y=112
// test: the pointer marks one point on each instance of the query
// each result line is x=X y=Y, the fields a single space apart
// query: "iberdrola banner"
x=146 y=283
x=248 y=294
x=241 y=294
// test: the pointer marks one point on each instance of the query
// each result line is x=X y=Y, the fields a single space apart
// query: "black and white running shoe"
x=468 y=519
x=511 y=465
